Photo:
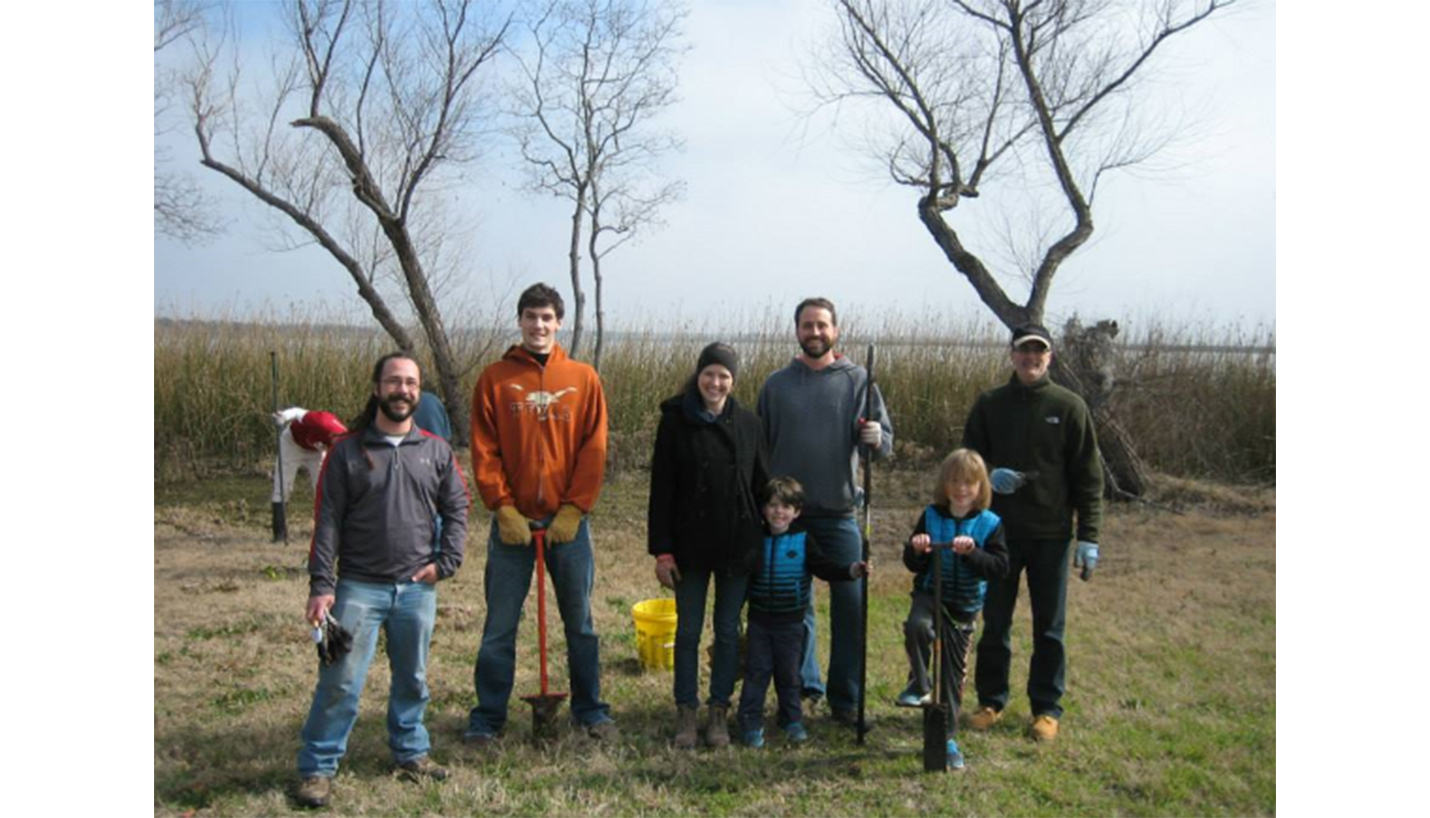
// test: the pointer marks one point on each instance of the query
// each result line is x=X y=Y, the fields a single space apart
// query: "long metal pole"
x=864 y=589
x=282 y=489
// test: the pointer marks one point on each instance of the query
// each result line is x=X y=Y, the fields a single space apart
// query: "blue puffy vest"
x=782 y=583
x=963 y=589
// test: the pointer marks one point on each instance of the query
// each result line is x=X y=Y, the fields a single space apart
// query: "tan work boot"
x=717 y=732
x=984 y=718
x=420 y=768
x=1045 y=728
x=687 y=733
x=315 y=790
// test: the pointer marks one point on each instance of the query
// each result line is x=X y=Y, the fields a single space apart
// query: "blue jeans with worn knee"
x=842 y=542
x=690 y=595
x=407 y=611
x=572 y=569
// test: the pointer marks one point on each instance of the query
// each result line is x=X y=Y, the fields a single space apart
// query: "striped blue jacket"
x=965 y=577
x=782 y=577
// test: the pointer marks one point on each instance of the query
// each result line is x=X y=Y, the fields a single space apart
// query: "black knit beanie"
x=722 y=354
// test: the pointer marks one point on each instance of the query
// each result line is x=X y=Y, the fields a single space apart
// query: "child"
x=778 y=595
x=960 y=515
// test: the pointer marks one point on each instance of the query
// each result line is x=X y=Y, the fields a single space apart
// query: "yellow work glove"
x=564 y=525
x=512 y=527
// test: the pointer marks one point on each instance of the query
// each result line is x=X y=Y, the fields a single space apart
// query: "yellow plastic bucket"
x=655 y=633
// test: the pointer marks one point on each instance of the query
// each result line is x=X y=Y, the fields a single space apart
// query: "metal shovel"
x=936 y=711
x=544 y=705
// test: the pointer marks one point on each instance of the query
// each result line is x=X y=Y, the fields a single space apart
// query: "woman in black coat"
x=704 y=523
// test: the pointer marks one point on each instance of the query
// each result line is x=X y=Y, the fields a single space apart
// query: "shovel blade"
x=544 y=709
x=935 y=738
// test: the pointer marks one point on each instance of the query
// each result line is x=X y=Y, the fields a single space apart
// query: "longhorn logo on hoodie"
x=542 y=404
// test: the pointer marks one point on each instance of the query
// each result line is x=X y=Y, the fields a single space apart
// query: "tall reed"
x=1200 y=401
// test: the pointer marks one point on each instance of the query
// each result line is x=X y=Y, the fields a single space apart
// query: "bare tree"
x=597 y=73
x=379 y=100
x=181 y=209
x=1042 y=89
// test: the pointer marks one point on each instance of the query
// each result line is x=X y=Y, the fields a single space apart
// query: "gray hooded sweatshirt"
x=811 y=424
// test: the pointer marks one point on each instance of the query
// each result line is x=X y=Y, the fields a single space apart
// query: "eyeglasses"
x=396 y=383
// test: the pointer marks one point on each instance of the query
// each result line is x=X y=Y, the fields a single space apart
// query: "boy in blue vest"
x=779 y=593
x=959 y=515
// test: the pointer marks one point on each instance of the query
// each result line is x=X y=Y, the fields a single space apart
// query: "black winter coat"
x=704 y=484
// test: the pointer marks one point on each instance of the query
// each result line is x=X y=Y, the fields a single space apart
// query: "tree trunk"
x=600 y=311
x=578 y=298
x=1084 y=364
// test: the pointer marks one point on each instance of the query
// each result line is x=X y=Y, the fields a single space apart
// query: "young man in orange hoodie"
x=539 y=454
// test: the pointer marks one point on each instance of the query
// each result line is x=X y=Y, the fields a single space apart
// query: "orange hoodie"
x=538 y=433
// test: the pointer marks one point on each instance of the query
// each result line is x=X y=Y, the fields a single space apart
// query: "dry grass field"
x=1170 y=707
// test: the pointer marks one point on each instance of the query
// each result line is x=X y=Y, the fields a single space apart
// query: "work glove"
x=564 y=525
x=1006 y=481
x=512 y=527
x=1086 y=558
x=333 y=640
x=666 y=571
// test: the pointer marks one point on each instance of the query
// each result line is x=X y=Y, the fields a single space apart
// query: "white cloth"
x=295 y=456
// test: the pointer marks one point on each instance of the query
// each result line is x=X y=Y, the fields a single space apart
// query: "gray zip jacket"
x=377 y=506
x=811 y=424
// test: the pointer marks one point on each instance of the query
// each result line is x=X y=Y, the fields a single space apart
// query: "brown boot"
x=687 y=733
x=315 y=790
x=717 y=733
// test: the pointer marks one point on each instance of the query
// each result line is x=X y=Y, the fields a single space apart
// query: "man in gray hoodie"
x=815 y=422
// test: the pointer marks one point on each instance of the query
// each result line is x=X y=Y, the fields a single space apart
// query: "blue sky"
x=780 y=207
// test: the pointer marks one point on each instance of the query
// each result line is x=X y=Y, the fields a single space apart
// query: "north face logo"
x=1053 y=419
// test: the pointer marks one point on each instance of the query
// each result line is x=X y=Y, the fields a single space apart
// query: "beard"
x=393 y=413
x=815 y=347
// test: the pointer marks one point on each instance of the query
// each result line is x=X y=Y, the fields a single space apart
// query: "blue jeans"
x=690 y=595
x=842 y=542
x=508 y=579
x=1046 y=562
x=407 y=611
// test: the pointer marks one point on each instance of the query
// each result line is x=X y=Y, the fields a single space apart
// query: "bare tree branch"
x=597 y=73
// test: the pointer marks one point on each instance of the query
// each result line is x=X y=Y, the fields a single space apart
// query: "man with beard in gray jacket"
x=815 y=422
x=374 y=565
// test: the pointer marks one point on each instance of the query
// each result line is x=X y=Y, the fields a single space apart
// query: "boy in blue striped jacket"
x=959 y=515
x=779 y=593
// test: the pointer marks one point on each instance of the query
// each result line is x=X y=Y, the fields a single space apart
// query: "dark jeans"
x=690 y=594
x=772 y=649
x=954 y=651
x=1046 y=563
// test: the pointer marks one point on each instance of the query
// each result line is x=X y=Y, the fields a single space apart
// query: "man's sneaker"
x=479 y=739
x=422 y=767
x=795 y=733
x=754 y=739
x=811 y=697
x=604 y=731
x=912 y=698
x=314 y=791
x=955 y=756
x=850 y=719
x=1045 y=728
x=984 y=718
